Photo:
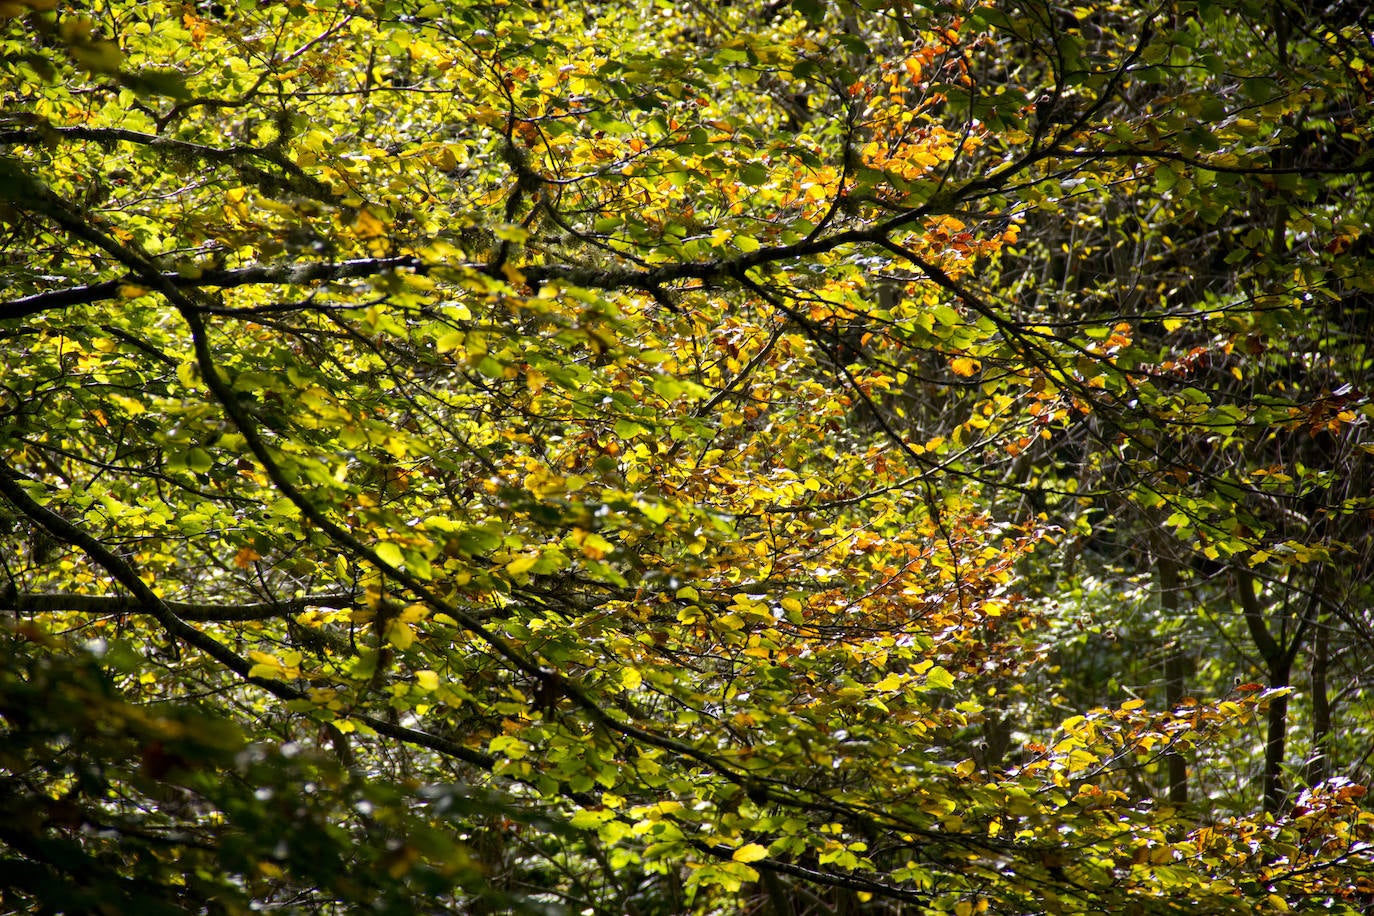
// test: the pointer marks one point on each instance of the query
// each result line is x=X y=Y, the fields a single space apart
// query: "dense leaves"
x=626 y=458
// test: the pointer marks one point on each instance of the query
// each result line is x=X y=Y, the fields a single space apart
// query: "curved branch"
x=295 y=178
x=282 y=274
x=12 y=489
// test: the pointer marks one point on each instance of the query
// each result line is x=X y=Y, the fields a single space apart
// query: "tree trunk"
x=1319 y=764
x=1274 y=793
x=1278 y=663
x=1175 y=671
x=1277 y=670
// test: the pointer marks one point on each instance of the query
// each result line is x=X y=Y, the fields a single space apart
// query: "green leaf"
x=754 y=174
x=199 y=460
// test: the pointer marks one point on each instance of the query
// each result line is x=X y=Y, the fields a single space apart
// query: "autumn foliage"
x=632 y=458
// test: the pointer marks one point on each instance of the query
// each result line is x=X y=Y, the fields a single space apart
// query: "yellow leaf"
x=450 y=341
x=414 y=613
x=262 y=658
x=750 y=853
x=428 y=680
x=521 y=565
x=390 y=554
x=445 y=161
x=400 y=635
x=368 y=225
x=130 y=405
x=964 y=367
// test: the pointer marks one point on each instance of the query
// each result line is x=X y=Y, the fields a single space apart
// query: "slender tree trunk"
x=1175 y=670
x=1319 y=766
x=1277 y=670
x=1275 y=741
x=1278 y=663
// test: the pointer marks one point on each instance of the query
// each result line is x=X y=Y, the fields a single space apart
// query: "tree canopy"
x=628 y=457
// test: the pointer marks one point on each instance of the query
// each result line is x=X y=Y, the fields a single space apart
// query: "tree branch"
x=295 y=178
x=282 y=274
x=13 y=490
x=46 y=603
